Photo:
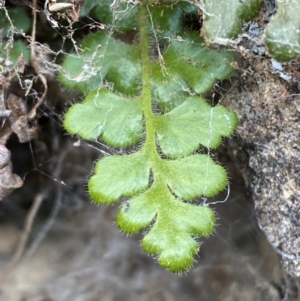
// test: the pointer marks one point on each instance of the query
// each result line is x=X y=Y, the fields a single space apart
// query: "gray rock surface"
x=267 y=149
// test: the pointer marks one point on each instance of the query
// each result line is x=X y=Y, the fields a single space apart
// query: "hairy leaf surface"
x=119 y=176
x=175 y=223
x=117 y=120
x=194 y=122
x=124 y=82
x=187 y=66
x=103 y=58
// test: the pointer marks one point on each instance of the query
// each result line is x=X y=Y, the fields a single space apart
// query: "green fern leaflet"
x=161 y=179
x=224 y=18
x=282 y=35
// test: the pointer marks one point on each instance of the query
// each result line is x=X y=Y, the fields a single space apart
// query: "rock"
x=267 y=151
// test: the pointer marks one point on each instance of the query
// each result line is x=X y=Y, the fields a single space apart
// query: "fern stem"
x=150 y=145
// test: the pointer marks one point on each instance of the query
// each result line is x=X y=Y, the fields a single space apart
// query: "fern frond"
x=162 y=178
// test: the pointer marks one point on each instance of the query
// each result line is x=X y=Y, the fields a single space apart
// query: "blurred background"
x=75 y=251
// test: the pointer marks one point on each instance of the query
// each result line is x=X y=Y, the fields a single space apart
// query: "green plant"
x=14 y=22
x=224 y=18
x=158 y=181
x=282 y=35
x=148 y=92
